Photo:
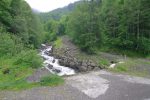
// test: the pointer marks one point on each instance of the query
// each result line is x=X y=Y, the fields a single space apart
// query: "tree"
x=83 y=26
x=25 y=23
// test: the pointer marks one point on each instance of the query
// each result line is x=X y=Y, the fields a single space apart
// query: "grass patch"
x=51 y=80
x=148 y=57
x=123 y=52
x=121 y=68
x=13 y=71
x=17 y=85
x=14 y=79
x=29 y=58
x=133 y=67
x=104 y=63
x=58 y=43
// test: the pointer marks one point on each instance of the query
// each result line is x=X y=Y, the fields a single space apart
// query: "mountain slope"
x=58 y=13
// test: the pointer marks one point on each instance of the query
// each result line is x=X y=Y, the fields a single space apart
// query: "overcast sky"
x=48 y=5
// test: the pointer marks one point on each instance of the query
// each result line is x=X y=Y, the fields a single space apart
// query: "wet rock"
x=50 y=66
x=53 y=61
x=43 y=46
x=44 y=58
x=46 y=52
x=56 y=70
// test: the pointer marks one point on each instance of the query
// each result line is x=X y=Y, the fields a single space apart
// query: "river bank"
x=69 y=52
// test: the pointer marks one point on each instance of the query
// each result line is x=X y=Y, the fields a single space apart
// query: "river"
x=52 y=64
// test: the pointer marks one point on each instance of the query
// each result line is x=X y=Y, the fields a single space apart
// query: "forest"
x=20 y=36
x=93 y=25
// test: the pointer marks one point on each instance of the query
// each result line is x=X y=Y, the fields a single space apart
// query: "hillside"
x=58 y=13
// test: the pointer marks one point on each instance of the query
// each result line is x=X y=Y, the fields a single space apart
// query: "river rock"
x=78 y=65
x=53 y=61
x=68 y=59
x=56 y=70
x=82 y=69
x=46 y=52
x=50 y=66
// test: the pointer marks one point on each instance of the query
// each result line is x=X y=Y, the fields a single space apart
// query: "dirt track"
x=100 y=85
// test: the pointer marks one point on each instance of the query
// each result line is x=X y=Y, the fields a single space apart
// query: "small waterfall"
x=52 y=64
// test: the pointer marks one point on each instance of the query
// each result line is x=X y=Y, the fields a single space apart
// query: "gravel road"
x=99 y=85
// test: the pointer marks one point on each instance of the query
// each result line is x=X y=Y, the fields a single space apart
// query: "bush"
x=104 y=63
x=58 y=43
x=29 y=58
x=52 y=80
x=10 y=45
x=123 y=67
x=50 y=37
x=144 y=45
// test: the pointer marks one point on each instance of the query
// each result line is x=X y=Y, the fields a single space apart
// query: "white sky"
x=48 y=5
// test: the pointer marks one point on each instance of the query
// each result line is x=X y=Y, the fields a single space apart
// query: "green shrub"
x=52 y=80
x=122 y=67
x=104 y=63
x=29 y=58
x=50 y=37
x=10 y=45
x=58 y=43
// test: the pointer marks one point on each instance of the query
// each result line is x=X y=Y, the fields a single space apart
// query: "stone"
x=53 y=61
x=92 y=64
x=56 y=70
x=66 y=58
x=82 y=69
x=46 y=52
x=50 y=66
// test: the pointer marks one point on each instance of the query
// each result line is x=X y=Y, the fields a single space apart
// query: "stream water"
x=52 y=64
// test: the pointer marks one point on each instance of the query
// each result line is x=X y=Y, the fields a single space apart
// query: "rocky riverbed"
x=57 y=65
x=62 y=64
x=69 y=60
x=52 y=64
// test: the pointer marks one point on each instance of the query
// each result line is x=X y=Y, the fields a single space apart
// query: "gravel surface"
x=37 y=75
x=99 y=85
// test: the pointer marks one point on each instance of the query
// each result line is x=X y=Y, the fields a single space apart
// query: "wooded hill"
x=58 y=13
x=95 y=24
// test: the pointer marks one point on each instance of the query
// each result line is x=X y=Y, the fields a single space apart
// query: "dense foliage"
x=16 y=17
x=20 y=35
x=126 y=24
x=122 y=24
x=55 y=21
x=57 y=14
x=84 y=26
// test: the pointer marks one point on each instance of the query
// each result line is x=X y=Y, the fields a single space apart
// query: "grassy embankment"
x=135 y=63
x=14 y=71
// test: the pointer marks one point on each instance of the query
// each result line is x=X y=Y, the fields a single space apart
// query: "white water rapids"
x=52 y=64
